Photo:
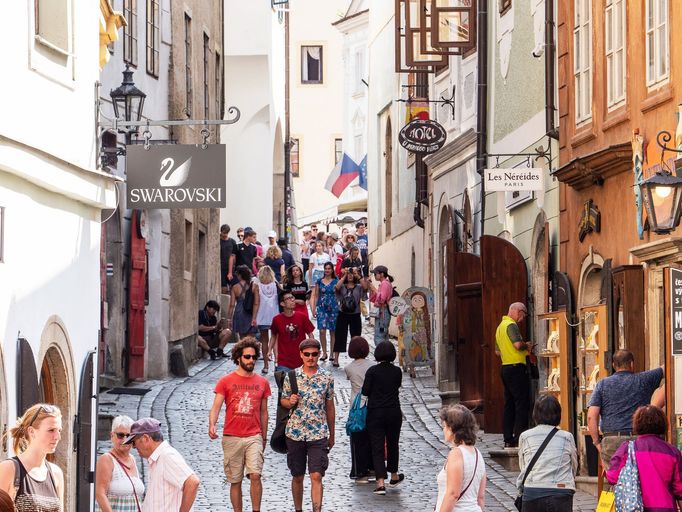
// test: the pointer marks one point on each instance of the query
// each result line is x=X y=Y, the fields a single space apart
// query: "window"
x=188 y=246
x=218 y=87
x=188 y=65
x=153 y=37
x=657 y=52
x=582 y=60
x=338 y=150
x=505 y=5
x=615 y=28
x=206 y=78
x=130 y=32
x=311 y=64
x=294 y=158
x=359 y=147
x=359 y=70
x=52 y=24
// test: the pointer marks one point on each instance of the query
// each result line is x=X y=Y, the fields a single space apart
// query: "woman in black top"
x=295 y=284
x=350 y=291
x=384 y=417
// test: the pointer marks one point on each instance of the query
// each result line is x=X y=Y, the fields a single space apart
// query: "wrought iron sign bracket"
x=531 y=158
x=450 y=102
x=662 y=139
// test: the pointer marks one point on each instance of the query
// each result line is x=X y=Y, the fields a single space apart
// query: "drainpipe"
x=287 y=134
x=482 y=99
x=550 y=50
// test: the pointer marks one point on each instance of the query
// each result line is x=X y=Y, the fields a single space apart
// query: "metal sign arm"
x=122 y=124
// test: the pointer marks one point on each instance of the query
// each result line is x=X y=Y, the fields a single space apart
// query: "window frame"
x=188 y=65
x=153 y=35
x=615 y=9
x=207 y=76
x=303 y=63
x=658 y=78
x=338 y=150
x=218 y=86
x=295 y=143
x=504 y=6
x=130 y=40
x=582 y=61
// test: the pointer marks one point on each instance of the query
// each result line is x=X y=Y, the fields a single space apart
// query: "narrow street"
x=182 y=406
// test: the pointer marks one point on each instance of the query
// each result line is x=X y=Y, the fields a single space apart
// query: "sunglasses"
x=47 y=409
x=249 y=356
x=310 y=354
x=121 y=435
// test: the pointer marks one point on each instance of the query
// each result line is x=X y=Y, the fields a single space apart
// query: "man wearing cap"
x=172 y=485
x=272 y=238
x=379 y=296
x=310 y=429
x=286 y=253
x=513 y=351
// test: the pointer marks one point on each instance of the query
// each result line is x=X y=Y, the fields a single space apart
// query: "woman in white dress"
x=267 y=307
x=316 y=265
x=461 y=482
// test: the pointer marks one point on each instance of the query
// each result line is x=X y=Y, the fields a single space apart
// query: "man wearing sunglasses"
x=245 y=432
x=288 y=329
x=310 y=429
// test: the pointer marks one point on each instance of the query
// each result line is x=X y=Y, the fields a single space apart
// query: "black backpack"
x=248 y=300
x=348 y=304
x=278 y=441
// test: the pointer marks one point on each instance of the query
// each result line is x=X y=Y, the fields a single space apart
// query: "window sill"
x=656 y=98
x=583 y=134
x=616 y=117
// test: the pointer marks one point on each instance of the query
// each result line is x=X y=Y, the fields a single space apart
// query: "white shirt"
x=167 y=474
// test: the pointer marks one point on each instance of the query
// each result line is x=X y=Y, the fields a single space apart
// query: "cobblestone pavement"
x=182 y=405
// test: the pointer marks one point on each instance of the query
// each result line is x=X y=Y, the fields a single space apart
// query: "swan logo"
x=160 y=177
x=174 y=176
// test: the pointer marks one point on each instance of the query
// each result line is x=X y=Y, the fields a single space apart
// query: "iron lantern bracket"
x=450 y=102
x=662 y=139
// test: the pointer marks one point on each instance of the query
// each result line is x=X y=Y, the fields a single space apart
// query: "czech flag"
x=342 y=175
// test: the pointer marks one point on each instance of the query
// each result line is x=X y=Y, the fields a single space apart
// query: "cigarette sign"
x=676 y=311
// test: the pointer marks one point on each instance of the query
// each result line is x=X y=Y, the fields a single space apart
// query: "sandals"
x=323 y=358
x=264 y=371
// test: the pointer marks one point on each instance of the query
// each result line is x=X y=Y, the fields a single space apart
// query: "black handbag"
x=278 y=440
x=518 y=502
x=532 y=365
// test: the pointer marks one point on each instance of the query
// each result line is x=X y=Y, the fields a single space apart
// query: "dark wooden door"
x=86 y=396
x=504 y=281
x=562 y=300
x=467 y=330
x=28 y=392
x=627 y=312
x=137 y=288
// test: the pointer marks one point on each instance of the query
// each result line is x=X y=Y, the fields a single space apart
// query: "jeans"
x=383 y=428
x=381 y=324
x=516 y=401
x=549 y=504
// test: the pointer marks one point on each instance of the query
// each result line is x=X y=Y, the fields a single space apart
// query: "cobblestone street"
x=182 y=406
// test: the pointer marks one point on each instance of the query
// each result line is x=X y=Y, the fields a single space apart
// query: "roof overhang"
x=593 y=169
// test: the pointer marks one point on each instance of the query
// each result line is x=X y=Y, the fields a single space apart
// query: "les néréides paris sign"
x=176 y=176
x=517 y=178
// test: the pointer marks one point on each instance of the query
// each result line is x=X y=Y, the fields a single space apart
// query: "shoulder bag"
x=628 y=492
x=472 y=477
x=518 y=502
x=123 y=468
x=278 y=440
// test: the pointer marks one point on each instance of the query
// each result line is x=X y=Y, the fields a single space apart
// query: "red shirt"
x=243 y=396
x=290 y=331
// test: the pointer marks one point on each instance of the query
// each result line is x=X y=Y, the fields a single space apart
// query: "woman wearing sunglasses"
x=118 y=487
x=41 y=483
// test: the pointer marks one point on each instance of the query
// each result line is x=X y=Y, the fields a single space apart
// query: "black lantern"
x=128 y=100
x=662 y=195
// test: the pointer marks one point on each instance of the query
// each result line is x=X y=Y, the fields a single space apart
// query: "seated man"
x=212 y=335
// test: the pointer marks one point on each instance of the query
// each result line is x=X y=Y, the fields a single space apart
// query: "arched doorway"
x=388 y=164
x=467 y=225
x=447 y=367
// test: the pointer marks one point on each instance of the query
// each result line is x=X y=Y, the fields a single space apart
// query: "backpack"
x=357 y=416
x=248 y=300
x=278 y=440
x=394 y=293
x=348 y=304
x=628 y=492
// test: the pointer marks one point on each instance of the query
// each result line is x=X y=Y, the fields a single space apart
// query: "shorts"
x=212 y=340
x=240 y=454
x=315 y=452
x=263 y=327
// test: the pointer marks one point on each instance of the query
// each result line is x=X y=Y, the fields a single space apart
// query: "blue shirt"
x=621 y=394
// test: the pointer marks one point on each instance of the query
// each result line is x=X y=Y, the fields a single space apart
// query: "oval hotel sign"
x=422 y=136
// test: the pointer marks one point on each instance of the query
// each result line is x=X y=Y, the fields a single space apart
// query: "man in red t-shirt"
x=246 y=422
x=288 y=330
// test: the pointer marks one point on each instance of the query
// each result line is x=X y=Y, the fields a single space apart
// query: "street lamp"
x=128 y=101
x=662 y=195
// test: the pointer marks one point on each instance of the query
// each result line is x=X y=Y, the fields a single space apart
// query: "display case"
x=556 y=351
x=592 y=351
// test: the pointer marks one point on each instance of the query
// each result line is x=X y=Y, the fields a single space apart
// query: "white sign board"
x=518 y=178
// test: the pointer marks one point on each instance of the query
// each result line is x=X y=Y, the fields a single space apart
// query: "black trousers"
x=383 y=427
x=360 y=453
x=549 y=504
x=344 y=321
x=516 y=401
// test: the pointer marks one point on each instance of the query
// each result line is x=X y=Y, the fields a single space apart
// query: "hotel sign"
x=175 y=176
x=422 y=136
x=517 y=178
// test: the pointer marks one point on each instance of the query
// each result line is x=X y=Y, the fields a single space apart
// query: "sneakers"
x=380 y=491
x=362 y=480
x=221 y=353
x=213 y=354
x=396 y=483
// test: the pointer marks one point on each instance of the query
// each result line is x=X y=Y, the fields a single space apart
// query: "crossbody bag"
x=123 y=468
x=518 y=502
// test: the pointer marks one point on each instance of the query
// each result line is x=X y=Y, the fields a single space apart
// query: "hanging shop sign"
x=176 y=176
x=422 y=136
x=514 y=179
x=676 y=311
x=590 y=220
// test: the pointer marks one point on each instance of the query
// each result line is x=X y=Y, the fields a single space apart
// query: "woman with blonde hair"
x=118 y=487
x=266 y=297
x=274 y=260
x=40 y=483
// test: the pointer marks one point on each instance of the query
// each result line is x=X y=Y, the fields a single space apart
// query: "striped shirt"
x=167 y=474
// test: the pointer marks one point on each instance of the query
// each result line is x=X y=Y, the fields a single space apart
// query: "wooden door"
x=504 y=281
x=28 y=391
x=562 y=300
x=137 y=291
x=627 y=312
x=467 y=332
x=85 y=477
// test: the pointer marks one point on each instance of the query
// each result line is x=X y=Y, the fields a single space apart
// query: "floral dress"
x=327 y=307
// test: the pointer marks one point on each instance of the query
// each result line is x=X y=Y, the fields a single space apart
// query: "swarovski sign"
x=176 y=176
x=517 y=178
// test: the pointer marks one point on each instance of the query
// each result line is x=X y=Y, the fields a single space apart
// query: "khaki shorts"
x=240 y=454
